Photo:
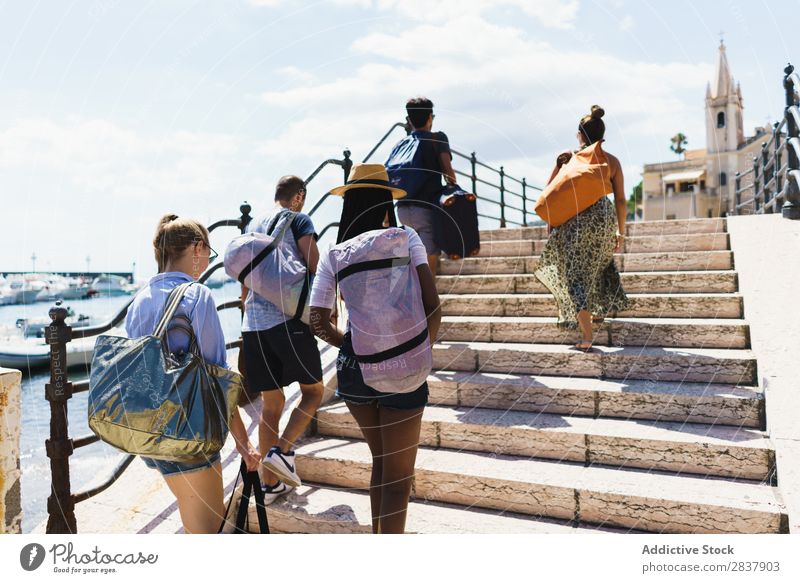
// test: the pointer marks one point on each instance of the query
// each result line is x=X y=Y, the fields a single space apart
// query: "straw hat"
x=368 y=176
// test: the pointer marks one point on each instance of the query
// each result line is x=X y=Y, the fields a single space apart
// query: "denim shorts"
x=420 y=218
x=167 y=468
x=351 y=387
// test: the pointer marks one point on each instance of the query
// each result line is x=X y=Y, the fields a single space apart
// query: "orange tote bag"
x=580 y=183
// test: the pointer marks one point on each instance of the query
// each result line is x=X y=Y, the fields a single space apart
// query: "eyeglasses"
x=212 y=255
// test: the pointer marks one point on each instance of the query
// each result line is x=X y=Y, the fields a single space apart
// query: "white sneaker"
x=272 y=493
x=282 y=465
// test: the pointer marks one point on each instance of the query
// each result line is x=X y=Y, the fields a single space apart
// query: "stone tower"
x=724 y=130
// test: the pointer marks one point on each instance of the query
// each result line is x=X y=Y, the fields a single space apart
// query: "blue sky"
x=113 y=113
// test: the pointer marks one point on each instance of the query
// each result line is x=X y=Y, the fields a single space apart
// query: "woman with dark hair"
x=577 y=264
x=387 y=286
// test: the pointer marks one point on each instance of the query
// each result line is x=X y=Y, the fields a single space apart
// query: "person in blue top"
x=417 y=209
x=279 y=350
x=183 y=252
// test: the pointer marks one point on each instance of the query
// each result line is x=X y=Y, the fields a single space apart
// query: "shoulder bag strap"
x=251 y=485
x=269 y=248
x=173 y=301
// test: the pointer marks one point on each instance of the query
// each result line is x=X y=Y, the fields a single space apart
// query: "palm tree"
x=678 y=142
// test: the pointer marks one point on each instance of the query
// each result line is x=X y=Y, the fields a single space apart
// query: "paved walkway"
x=767 y=254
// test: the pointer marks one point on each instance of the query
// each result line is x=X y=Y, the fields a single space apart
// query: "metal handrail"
x=774 y=183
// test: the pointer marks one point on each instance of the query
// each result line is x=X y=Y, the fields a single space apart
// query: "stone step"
x=688 y=332
x=317 y=509
x=727 y=404
x=655 y=502
x=699 y=242
x=708 y=450
x=648 y=262
x=639 y=229
x=656 y=364
x=668 y=282
x=641 y=306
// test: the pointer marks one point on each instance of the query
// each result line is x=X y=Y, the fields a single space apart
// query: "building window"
x=702 y=185
x=709 y=213
x=721 y=119
x=670 y=217
x=723 y=179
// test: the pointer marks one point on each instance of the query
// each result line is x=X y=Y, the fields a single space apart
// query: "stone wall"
x=10 y=415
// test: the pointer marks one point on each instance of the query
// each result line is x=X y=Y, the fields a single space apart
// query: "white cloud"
x=627 y=23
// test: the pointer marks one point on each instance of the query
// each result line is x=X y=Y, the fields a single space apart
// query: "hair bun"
x=597 y=112
x=166 y=219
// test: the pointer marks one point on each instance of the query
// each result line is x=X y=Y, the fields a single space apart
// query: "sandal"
x=579 y=346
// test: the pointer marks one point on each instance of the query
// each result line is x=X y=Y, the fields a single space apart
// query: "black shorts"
x=279 y=356
x=352 y=389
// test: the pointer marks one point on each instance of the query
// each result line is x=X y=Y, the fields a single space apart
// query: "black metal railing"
x=59 y=447
x=773 y=183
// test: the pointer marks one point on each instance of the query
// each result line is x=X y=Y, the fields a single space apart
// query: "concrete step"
x=639 y=229
x=727 y=404
x=642 y=305
x=650 y=244
x=707 y=450
x=688 y=332
x=649 y=262
x=318 y=509
x=656 y=364
x=669 y=282
x=623 y=498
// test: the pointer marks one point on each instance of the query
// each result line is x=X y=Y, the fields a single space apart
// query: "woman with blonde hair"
x=577 y=264
x=183 y=253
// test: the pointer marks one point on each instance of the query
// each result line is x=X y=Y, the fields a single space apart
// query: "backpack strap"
x=269 y=248
x=393 y=352
x=374 y=264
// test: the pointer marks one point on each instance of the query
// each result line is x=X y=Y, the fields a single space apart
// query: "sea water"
x=88 y=463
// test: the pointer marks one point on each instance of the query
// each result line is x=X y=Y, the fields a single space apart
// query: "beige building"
x=703 y=183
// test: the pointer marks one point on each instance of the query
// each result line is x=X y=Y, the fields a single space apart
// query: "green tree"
x=635 y=199
x=678 y=142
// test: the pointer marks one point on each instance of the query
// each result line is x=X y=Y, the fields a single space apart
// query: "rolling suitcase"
x=457 y=223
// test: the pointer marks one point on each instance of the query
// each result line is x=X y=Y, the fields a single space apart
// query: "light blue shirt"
x=261 y=314
x=196 y=304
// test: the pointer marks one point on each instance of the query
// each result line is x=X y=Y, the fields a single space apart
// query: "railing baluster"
x=791 y=206
x=765 y=176
x=737 y=193
x=756 y=189
x=776 y=168
x=60 y=507
x=473 y=160
x=524 y=201
x=502 y=198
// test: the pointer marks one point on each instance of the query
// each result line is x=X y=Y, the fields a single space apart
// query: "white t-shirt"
x=323 y=292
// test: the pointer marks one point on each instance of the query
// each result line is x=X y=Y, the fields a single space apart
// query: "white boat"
x=25 y=291
x=112 y=285
x=36 y=354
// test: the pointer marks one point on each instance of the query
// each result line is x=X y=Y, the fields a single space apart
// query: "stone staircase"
x=660 y=429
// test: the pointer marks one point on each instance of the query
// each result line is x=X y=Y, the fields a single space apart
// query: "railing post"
x=347 y=164
x=245 y=219
x=776 y=168
x=756 y=188
x=502 y=198
x=524 y=207
x=737 y=195
x=60 y=507
x=473 y=160
x=764 y=174
x=791 y=205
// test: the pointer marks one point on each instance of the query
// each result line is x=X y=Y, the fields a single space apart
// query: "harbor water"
x=87 y=464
